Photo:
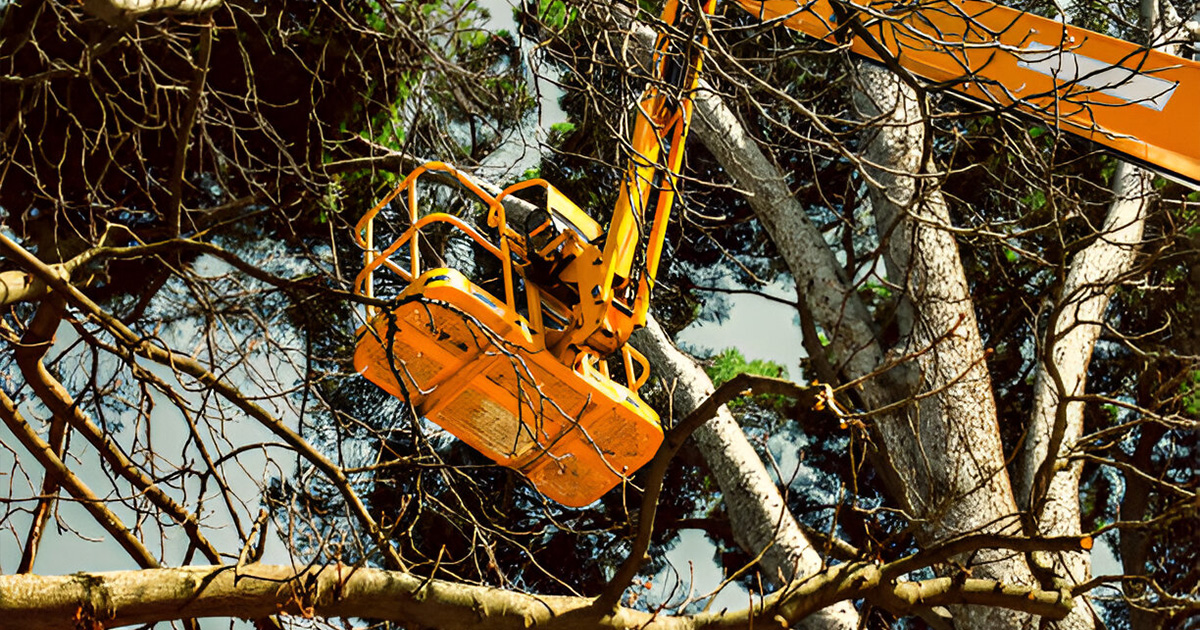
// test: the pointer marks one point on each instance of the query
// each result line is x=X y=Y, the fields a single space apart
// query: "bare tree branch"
x=142 y=597
x=54 y=465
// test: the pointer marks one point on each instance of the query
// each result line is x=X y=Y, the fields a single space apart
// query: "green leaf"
x=1107 y=171
x=1190 y=393
x=563 y=128
x=1036 y=200
x=554 y=14
x=878 y=289
x=730 y=362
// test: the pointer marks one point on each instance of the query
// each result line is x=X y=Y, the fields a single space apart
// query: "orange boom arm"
x=1140 y=102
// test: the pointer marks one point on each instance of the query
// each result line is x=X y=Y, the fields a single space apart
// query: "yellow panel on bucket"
x=478 y=371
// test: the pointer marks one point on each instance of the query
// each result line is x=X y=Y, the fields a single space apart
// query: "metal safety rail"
x=511 y=251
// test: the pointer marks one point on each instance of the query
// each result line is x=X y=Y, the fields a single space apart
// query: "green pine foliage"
x=730 y=362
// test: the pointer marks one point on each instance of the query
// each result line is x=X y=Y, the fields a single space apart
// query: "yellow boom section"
x=617 y=300
x=1140 y=102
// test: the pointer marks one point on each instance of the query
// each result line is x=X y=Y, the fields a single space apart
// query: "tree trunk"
x=947 y=445
x=1049 y=484
x=757 y=512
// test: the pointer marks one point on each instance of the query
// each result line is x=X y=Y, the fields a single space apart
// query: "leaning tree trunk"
x=1048 y=479
x=759 y=516
x=757 y=512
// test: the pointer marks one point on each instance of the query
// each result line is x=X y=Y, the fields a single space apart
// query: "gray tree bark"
x=757 y=512
x=948 y=445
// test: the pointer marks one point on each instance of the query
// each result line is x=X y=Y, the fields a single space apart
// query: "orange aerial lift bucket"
x=524 y=377
x=477 y=364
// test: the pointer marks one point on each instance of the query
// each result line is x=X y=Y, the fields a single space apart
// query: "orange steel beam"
x=1140 y=102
